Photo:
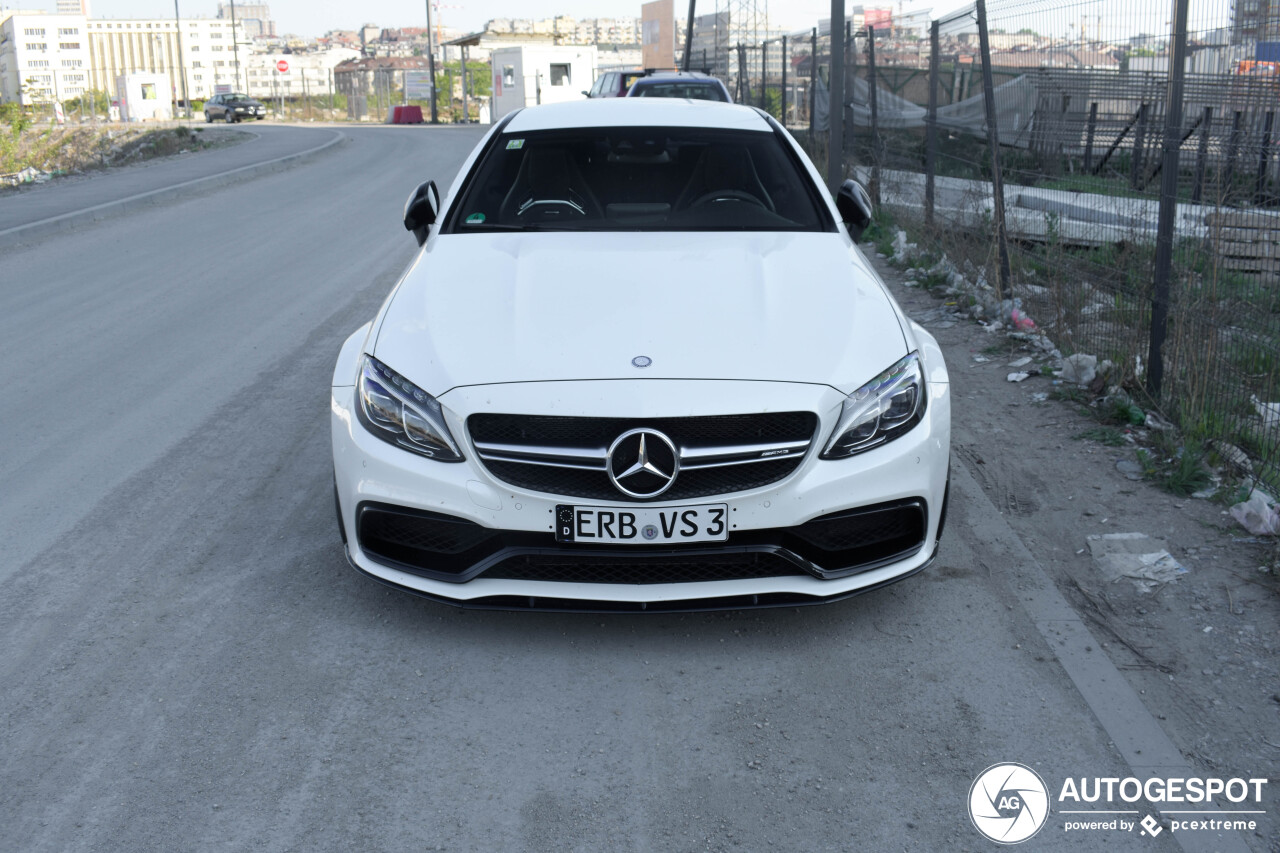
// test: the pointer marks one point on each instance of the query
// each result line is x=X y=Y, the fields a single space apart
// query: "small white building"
x=540 y=74
x=144 y=97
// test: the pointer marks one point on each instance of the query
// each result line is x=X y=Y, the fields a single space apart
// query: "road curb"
x=32 y=231
x=1134 y=732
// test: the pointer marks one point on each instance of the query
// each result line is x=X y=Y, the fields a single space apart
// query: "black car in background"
x=680 y=84
x=233 y=107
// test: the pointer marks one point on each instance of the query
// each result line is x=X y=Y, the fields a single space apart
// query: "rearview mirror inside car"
x=855 y=207
x=421 y=210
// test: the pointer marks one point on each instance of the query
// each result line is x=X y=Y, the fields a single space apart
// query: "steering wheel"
x=727 y=195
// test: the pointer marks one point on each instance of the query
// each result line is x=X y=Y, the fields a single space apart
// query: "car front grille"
x=567 y=456
x=456 y=550
x=588 y=568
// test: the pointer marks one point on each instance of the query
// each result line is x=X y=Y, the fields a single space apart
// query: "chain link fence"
x=1057 y=167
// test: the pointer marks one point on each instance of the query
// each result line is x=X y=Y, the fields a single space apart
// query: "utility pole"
x=431 y=66
x=688 y=36
x=182 y=63
x=235 y=45
x=835 y=103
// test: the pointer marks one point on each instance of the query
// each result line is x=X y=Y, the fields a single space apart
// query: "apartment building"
x=43 y=58
x=208 y=49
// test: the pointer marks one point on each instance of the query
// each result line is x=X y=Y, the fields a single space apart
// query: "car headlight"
x=400 y=413
x=880 y=411
x=239 y=109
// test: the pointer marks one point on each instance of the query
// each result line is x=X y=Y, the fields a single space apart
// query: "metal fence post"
x=875 y=119
x=835 y=112
x=1168 y=200
x=1264 y=156
x=1233 y=149
x=1088 y=141
x=764 y=84
x=931 y=127
x=783 y=116
x=813 y=80
x=1202 y=154
x=993 y=140
x=1139 y=146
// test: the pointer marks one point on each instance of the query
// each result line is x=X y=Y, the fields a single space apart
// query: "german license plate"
x=642 y=525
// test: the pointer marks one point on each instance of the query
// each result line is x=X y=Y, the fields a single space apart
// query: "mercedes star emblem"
x=643 y=463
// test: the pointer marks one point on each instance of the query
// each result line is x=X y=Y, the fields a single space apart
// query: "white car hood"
x=491 y=308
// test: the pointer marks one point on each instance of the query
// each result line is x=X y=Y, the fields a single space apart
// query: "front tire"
x=230 y=117
x=208 y=119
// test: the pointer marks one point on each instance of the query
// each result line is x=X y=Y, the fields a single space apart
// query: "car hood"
x=501 y=307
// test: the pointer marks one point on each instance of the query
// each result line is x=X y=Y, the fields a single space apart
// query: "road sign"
x=282 y=66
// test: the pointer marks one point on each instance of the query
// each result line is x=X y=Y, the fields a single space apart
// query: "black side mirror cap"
x=854 y=205
x=421 y=210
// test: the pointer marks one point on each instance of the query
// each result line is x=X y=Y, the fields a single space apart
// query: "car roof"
x=638 y=112
x=686 y=76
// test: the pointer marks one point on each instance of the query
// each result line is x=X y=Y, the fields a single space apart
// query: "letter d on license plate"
x=642 y=525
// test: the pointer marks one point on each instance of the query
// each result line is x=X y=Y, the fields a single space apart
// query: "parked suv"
x=233 y=107
x=613 y=84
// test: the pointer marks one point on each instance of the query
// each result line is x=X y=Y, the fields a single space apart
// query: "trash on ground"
x=1155 y=422
x=1136 y=557
x=1269 y=412
x=1022 y=362
x=1080 y=369
x=981 y=359
x=1132 y=470
x=1040 y=397
x=1258 y=514
x=1018 y=377
x=1233 y=456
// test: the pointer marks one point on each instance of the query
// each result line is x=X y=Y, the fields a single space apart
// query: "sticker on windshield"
x=515 y=143
x=475 y=219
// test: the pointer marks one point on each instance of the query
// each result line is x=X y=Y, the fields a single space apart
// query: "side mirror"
x=421 y=210
x=855 y=207
x=585 y=92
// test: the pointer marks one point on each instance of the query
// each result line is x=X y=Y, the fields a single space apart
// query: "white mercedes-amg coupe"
x=639 y=363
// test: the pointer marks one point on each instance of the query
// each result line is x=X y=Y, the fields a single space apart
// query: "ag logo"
x=1008 y=803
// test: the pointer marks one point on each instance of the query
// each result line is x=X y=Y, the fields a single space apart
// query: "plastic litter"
x=1269 y=412
x=1018 y=377
x=1136 y=557
x=1258 y=514
x=1132 y=470
x=1080 y=369
x=1022 y=362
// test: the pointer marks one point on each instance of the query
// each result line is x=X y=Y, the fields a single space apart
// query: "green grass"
x=1110 y=436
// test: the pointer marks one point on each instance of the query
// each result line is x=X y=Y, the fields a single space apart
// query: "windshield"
x=238 y=96
x=696 y=91
x=639 y=178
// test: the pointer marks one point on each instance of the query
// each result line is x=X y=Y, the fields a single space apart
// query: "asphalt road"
x=189 y=664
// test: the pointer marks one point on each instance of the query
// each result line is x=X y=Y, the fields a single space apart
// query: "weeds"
x=1110 y=436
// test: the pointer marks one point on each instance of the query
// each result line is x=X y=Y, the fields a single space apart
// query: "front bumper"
x=517 y=524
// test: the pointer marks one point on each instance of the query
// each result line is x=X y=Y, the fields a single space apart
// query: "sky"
x=309 y=18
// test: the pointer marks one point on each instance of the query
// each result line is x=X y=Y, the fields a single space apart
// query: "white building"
x=307 y=74
x=540 y=74
x=43 y=58
x=144 y=97
x=208 y=49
